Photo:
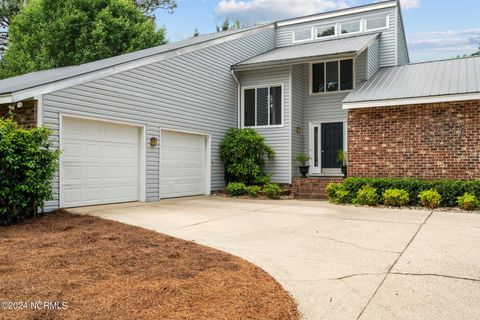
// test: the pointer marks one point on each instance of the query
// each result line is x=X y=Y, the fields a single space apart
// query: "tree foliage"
x=57 y=33
x=228 y=25
x=149 y=6
x=27 y=167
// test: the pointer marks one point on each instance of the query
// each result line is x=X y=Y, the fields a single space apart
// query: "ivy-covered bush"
x=449 y=190
x=236 y=189
x=27 y=167
x=244 y=152
x=468 y=202
x=367 y=196
x=395 y=197
x=272 y=191
x=430 y=199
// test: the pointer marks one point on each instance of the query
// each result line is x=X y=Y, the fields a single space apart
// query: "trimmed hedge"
x=449 y=190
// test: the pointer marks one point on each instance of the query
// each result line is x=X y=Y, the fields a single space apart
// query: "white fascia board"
x=336 y=14
x=409 y=101
x=102 y=73
x=6 y=99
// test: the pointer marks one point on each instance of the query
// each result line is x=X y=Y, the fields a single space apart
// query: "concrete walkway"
x=337 y=262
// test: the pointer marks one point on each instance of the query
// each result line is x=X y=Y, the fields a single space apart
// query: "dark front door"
x=332 y=142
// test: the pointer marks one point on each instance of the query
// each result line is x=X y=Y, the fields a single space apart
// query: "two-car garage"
x=103 y=162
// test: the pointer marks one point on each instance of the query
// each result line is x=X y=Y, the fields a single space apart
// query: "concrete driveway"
x=337 y=262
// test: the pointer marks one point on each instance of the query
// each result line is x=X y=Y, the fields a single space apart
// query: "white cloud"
x=409 y=4
x=256 y=11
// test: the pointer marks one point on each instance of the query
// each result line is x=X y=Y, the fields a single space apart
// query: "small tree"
x=244 y=152
x=27 y=167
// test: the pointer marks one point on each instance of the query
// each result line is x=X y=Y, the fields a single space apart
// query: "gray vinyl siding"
x=402 y=44
x=327 y=107
x=298 y=85
x=388 y=44
x=279 y=138
x=190 y=92
x=373 y=59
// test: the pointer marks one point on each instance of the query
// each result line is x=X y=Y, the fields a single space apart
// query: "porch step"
x=313 y=187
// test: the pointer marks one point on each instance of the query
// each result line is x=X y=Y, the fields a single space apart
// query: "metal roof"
x=34 y=79
x=428 y=79
x=303 y=52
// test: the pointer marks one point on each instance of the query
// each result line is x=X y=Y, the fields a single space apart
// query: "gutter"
x=239 y=97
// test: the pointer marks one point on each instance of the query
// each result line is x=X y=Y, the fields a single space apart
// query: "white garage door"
x=100 y=163
x=183 y=165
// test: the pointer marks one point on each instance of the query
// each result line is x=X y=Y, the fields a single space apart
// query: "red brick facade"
x=425 y=141
x=26 y=116
x=311 y=188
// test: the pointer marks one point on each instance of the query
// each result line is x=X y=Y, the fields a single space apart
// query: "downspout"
x=239 y=106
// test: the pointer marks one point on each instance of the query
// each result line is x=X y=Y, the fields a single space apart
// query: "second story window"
x=302 y=35
x=332 y=76
x=262 y=106
x=350 y=27
x=376 y=23
x=325 y=31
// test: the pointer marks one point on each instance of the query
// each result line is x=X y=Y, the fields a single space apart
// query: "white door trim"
x=208 y=156
x=313 y=124
x=142 y=155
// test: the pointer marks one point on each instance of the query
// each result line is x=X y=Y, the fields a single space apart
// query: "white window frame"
x=304 y=40
x=387 y=23
x=310 y=76
x=335 y=26
x=282 y=106
x=360 y=25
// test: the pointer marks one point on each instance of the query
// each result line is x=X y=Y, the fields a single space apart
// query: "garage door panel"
x=100 y=163
x=182 y=164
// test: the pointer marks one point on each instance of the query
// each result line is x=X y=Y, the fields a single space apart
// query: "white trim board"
x=410 y=101
x=335 y=14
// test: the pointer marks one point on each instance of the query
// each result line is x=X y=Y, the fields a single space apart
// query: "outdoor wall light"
x=298 y=130
x=153 y=141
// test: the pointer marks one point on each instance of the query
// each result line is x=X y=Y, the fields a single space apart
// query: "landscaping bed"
x=108 y=270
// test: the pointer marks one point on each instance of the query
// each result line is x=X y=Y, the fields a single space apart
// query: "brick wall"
x=312 y=187
x=25 y=116
x=426 y=141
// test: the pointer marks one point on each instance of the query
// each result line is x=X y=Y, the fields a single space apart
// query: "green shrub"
x=236 y=189
x=449 y=190
x=337 y=193
x=253 y=191
x=430 y=199
x=27 y=167
x=396 y=197
x=243 y=152
x=468 y=202
x=272 y=190
x=303 y=159
x=261 y=180
x=367 y=196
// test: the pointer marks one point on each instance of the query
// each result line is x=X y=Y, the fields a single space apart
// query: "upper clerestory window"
x=302 y=35
x=376 y=23
x=350 y=27
x=326 y=31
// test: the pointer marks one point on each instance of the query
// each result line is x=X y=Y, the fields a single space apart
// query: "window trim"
x=387 y=23
x=334 y=24
x=310 y=76
x=282 y=85
x=304 y=40
x=360 y=29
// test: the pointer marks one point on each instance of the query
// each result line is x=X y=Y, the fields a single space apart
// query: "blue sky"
x=436 y=29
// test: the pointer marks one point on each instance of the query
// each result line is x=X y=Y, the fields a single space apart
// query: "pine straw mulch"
x=109 y=270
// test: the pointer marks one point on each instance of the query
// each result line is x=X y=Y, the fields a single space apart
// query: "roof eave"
x=282 y=62
x=350 y=105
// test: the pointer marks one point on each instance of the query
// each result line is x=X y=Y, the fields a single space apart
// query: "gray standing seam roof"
x=297 y=53
x=34 y=79
x=428 y=79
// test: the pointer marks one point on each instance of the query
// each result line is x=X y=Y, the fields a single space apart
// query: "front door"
x=327 y=140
